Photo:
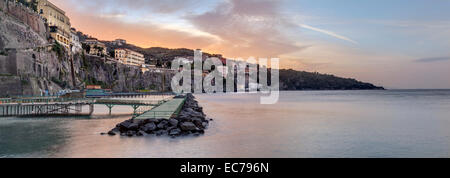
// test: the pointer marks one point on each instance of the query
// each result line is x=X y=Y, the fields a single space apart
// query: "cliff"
x=29 y=65
x=299 y=80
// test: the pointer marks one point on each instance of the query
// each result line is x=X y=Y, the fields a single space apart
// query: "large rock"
x=173 y=122
x=189 y=110
x=198 y=122
x=155 y=120
x=205 y=125
x=161 y=132
x=163 y=124
x=149 y=127
x=131 y=133
x=175 y=132
x=111 y=133
x=188 y=126
x=128 y=125
x=199 y=109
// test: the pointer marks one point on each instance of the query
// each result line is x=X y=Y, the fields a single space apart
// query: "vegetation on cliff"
x=289 y=79
x=299 y=80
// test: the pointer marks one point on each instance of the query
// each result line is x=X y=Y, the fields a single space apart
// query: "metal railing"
x=42 y=100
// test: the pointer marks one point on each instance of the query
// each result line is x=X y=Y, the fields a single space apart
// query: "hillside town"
x=42 y=53
x=73 y=41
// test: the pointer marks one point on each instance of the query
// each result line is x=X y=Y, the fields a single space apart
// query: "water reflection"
x=304 y=124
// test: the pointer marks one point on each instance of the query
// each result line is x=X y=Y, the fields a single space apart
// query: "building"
x=57 y=20
x=93 y=87
x=185 y=60
x=96 y=47
x=129 y=57
x=75 y=42
x=148 y=67
x=119 y=42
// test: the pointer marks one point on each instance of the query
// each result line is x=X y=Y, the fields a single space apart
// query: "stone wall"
x=10 y=85
x=20 y=27
x=8 y=65
x=28 y=65
x=25 y=15
x=119 y=77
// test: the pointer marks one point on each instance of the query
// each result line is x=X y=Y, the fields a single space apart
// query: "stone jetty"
x=190 y=121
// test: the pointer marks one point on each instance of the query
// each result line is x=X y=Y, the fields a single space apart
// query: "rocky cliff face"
x=30 y=65
x=20 y=26
x=118 y=77
x=22 y=39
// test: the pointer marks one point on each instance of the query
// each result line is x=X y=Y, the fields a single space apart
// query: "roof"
x=55 y=7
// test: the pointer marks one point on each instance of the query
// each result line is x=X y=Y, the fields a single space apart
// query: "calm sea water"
x=395 y=123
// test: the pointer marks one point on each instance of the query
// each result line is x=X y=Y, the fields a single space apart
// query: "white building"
x=75 y=42
x=129 y=57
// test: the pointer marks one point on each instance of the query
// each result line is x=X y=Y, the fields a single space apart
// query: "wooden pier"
x=47 y=106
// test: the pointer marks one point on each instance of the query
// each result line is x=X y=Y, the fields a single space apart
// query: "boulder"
x=115 y=130
x=175 y=132
x=155 y=120
x=131 y=133
x=163 y=124
x=171 y=128
x=148 y=128
x=124 y=124
x=198 y=122
x=189 y=110
x=128 y=125
x=141 y=122
x=111 y=133
x=188 y=126
x=140 y=133
x=173 y=122
x=197 y=114
x=199 y=109
x=161 y=132
x=205 y=124
x=133 y=126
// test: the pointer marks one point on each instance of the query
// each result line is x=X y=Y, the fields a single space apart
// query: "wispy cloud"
x=330 y=33
x=433 y=59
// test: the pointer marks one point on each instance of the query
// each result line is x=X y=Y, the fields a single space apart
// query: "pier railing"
x=31 y=106
x=42 y=100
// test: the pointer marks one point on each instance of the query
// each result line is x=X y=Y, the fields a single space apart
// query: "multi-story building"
x=75 y=42
x=96 y=47
x=57 y=20
x=129 y=57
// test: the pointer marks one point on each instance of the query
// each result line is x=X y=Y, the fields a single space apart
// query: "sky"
x=401 y=44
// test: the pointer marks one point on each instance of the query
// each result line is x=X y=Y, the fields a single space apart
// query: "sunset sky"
x=396 y=44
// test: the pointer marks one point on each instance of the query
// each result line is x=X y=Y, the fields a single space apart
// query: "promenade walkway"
x=164 y=111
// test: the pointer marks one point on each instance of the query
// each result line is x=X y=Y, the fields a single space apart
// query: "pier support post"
x=110 y=106
x=91 y=109
x=135 y=107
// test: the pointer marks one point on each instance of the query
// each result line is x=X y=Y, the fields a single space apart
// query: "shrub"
x=58 y=49
x=3 y=53
x=24 y=82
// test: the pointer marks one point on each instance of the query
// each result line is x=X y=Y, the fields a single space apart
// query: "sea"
x=303 y=124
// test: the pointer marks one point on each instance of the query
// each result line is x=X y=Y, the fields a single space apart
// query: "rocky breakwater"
x=190 y=121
